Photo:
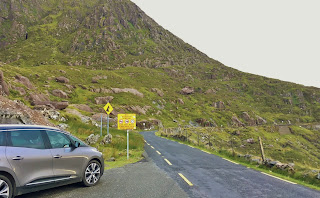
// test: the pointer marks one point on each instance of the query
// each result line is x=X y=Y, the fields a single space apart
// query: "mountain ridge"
x=116 y=39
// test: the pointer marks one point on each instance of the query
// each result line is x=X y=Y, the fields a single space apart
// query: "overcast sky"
x=274 y=38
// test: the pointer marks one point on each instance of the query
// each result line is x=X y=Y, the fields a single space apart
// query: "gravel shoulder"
x=142 y=179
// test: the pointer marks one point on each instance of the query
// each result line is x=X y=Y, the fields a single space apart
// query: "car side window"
x=2 y=138
x=27 y=139
x=76 y=139
x=58 y=140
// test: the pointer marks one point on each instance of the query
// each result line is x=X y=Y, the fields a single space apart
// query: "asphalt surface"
x=143 y=179
x=215 y=177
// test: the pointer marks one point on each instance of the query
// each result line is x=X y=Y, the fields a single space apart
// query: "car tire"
x=6 y=187
x=92 y=173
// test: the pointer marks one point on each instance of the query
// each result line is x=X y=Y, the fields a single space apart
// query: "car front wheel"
x=92 y=173
x=6 y=189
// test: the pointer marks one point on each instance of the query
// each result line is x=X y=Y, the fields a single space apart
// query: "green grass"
x=116 y=149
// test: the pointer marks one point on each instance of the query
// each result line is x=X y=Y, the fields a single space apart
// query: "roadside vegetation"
x=115 y=153
x=301 y=149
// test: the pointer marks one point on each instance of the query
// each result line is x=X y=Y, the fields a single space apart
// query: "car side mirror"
x=76 y=144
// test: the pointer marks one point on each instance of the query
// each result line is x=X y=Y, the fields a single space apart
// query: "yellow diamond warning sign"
x=108 y=108
x=127 y=121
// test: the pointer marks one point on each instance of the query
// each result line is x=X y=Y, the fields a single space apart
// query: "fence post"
x=262 y=151
x=187 y=135
x=198 y=139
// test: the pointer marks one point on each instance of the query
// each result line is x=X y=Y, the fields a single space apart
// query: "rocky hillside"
x=73 y=56
x=102 y=34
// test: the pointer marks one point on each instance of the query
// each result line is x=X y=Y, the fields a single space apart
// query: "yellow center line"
x=278 y=178
x=168 y=161
x=152 y=147
x=158 y=152
x=185 y=179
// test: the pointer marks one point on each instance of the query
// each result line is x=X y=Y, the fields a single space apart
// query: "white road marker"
x=168 y=161
x=152 y=147
x=279 y=178
x=158 y=152
x=230 y=161
x=185 y=179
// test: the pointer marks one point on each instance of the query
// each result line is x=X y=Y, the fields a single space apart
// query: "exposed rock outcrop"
x=14 y=112
x=187 y=91
x=25 y=81
x=219 y=105
x=103 y=100
x=250 y=121
x=59 y=93
x=260 y=120
x=4 y=89
x=127 y=90
x=236 y=122
x=180 y=101
x=62 y=79
x=158 y=91
x=83 y=107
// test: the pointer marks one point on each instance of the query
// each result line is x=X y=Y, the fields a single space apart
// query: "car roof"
x=21 y=126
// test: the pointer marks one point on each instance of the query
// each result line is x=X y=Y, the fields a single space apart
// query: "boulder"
x=83 y=107
x=236 y=122
x=70 y=87
x=92 y=139
x=59 y=93
x=260 y=120
x=94 y=80
x=187 y=91
x=103 y=100
x=62 y=79
x=158 y=91
x=250 y=121
x=107 y=139
x=250 y=141
x=4 y=89
x=25 y=81
x=180 y=101
x=38 y=99
x=128 y=90
x=219 y=105
x=82 y=87
x=137 y=110
x=60 y=105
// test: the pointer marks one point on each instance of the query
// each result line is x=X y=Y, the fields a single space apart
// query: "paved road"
x=215 y=177
x=143 y=179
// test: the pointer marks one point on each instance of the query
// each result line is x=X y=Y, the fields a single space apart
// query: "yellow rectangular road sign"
x=127 y=121
x=108 y=108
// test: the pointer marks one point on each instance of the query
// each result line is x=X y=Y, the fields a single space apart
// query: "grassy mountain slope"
x=100 y=45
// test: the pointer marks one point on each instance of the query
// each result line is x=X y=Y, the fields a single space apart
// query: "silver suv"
x=34 y=158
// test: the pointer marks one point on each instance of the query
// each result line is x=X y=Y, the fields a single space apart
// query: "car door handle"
x=57 y=156
x=17 y=158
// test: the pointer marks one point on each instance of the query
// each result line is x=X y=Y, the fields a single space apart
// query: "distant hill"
x=112 y=49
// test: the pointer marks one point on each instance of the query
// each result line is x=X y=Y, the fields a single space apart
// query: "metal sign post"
x=108 y=108
x=127 y=144
x=108 y=124
x=101 y=127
